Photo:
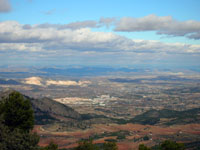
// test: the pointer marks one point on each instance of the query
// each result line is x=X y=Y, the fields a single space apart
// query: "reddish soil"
x=70 y=139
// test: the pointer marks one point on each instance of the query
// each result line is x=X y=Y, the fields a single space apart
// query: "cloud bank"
x=49 y=37
x=78 y=43
x=165 y=25
x=162 y=25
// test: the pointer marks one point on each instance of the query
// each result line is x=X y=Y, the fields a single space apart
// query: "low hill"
x=171 y=117
x=47 y=110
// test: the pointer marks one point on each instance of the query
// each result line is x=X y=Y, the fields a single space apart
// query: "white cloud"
x=162 y=25
x=32 y=47
x=80 y=39
x=156 y=46
x=15 y=36
x=5 y=6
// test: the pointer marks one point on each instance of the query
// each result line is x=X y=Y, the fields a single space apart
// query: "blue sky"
x=69 y=11
x=107 y=32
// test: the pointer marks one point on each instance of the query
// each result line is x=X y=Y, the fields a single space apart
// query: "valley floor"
x=127 y=136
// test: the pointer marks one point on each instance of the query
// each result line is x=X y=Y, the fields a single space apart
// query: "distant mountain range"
x=9 y=82
x=88 y=71
x=71 y=71
x=81 y=71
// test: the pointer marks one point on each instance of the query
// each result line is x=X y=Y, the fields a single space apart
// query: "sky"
x=128 y=33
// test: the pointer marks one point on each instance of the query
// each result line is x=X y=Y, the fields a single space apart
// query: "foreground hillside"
x=46 y=110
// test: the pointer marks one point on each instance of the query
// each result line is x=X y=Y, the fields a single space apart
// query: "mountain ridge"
x=47 y=110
